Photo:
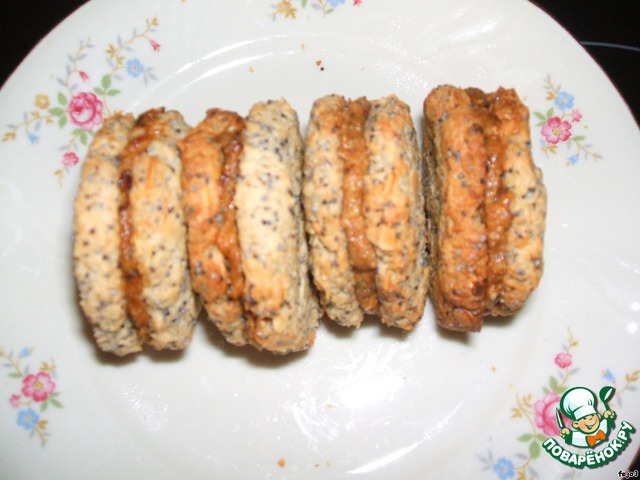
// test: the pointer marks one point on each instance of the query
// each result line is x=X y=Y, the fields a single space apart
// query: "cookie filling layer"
x=355 y=156
x=140 y=139
x=497 y=212
x=230 y=140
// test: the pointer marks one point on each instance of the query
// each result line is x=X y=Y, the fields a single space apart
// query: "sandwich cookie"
x=486 y=205
x=364 y=205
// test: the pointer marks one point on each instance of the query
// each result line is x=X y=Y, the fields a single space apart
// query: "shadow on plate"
x=267 y=359
x=115 y=360
x=500 y=322
x=369 y=322
x=465 y=338
x=252 y=355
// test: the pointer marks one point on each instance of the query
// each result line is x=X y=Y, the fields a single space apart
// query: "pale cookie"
x=154 y=254
x=323 y=177
x=282 y=309
x=395 y=212
x=96 y=247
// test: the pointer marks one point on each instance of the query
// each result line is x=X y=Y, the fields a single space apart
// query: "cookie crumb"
x=282 y=463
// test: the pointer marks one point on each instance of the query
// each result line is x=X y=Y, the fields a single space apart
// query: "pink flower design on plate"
x=70 y=159
x=38 y=386
x=85 y=110
x=155 y=45
x=563 y=359
x=14 y=400
x=556 y=130
x=545 y=413
x=576 y=116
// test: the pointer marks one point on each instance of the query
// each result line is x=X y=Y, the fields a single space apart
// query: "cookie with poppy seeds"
x=364 y=204
x=153 y=254
x=96 y=240
x=211 y=158
x=486 y=205
x=281 y=307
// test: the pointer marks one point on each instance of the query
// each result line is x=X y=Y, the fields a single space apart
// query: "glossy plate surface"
x=371 y=403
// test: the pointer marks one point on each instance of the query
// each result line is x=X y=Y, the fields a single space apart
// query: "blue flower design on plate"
x=504 y=468
x=135 y=67
x=564 y=101
x=28 y=419
x=336 y=3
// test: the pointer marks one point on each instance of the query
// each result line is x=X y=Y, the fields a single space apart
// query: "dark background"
x=609 y=31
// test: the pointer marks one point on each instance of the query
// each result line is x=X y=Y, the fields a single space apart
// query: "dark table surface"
x=607 y=30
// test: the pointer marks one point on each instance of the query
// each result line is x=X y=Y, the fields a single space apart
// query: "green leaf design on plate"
x=105 y=82
x=534 y=449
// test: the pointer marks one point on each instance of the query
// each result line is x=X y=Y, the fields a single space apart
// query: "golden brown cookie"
x=515 y=206
x=486 y=205
x=456 y=166
x=211 y=158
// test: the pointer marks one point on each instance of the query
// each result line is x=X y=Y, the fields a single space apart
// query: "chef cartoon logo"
x=590 y=428
x=582 y=425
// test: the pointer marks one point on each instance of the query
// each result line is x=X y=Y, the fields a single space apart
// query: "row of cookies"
x=269 y=230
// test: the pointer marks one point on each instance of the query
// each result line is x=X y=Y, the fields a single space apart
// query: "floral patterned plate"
x=371 y=403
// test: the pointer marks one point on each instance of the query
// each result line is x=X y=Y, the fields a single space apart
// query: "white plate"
x=371 y=403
